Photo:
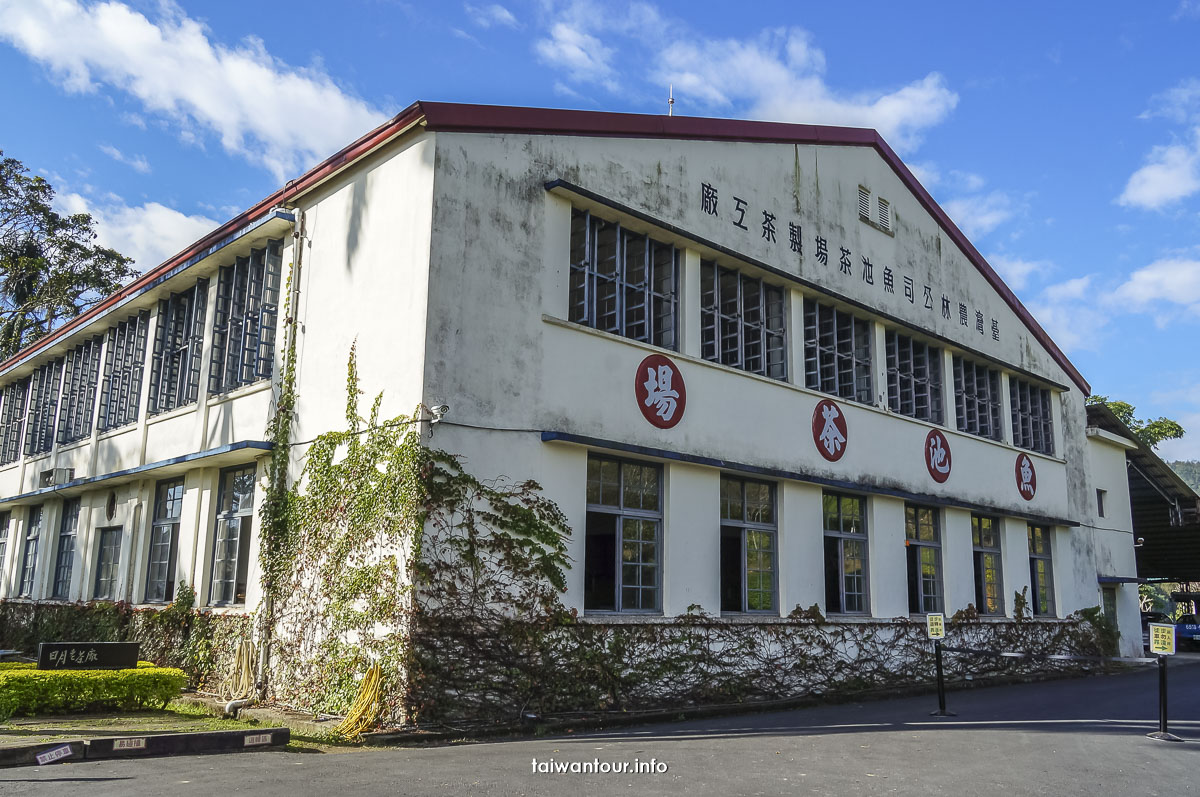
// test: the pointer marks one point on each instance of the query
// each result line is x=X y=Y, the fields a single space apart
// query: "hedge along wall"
x=202 y=644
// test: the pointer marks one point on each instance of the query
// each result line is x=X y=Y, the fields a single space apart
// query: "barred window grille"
x=81 y=373
x=178 y=341
x=244 y=319
x=914 y=372
x=977 y=399
x=742 y=321
x=1031 y=417
x=124 y=363
x=12 y=419
x=43 y=407
x=837 y=352
x=623 y=282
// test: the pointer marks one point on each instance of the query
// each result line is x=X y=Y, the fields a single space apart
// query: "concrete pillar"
x=1014 y=551
x=691 y=571
x=948 y=400
x=795 y=343
x=801 y=547
x=879 y=363
x=689 y=304
x=886 y=561
x=958 y=560
x=1005 y=409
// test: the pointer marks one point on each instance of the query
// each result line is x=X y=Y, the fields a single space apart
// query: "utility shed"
x=1166 y=511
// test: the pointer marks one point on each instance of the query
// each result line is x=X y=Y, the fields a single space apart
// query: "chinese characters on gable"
x=660 y=392
x=739 y=211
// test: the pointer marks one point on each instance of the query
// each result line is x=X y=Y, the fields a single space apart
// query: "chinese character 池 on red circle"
x=937 y=456
x=1026 y=477
x=829 y=430
x=660 y=392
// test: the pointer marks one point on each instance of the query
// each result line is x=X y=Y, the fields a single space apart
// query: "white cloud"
x=1015 y=270
x=1171 y=173
x=927 y=172
x=1175 y=281
x=150 y=233
x=978 y=215
x=584 y=57
x=779 y=76
x=136 y=162
x=494 y=14
x=1188 y=9
x=1076 y=289
x=1178 y=104
x=257 y=106
x=968 y=181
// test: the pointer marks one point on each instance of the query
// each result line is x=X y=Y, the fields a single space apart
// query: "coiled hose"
x=364 y=711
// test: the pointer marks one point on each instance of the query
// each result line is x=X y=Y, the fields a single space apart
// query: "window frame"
x=163 y=525
x=978 y=553
x=1032 y=411
x=926 y=602
x=1046 y=555
x=42 y=415
x=245 y=314
x=840 y=536
x=124 y=368
x=80 y=384
x=29 y=552
x=970 y=399
x=768 y=333
x=585 y=278
x=178 y=349
x=621 y=513
x=244 y=515
x=899 y=349
x=12 y=420
x=107 y=582
x=746 y=527
x=830 y=356
x=64 y=557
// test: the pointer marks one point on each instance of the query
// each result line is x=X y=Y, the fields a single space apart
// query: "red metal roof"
x=453 y=117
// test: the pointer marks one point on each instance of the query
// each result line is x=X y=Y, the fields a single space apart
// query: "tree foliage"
x=1189 y=471
x=1150 y=431
x=51 y=268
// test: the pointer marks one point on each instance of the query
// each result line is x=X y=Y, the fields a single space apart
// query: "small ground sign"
x=936 y=623
x=1162 y=639
x=87 y=655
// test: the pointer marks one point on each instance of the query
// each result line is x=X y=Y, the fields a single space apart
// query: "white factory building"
x=755 y=365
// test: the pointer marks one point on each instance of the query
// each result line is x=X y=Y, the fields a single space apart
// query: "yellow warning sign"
x=936 y=623
x=1162 y=639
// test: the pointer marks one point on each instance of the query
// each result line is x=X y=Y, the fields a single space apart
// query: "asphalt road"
x=1078 y=736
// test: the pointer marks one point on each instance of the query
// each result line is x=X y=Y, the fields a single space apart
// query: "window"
x=845 y=554
x=12 y=418
x=231 y=548
x=747 y=546
x=977 y=399
x=623 y=282
x=164 y=540
x=989 y=587
x=923 y=543
x=1100 y=495
x=33 y=529
x=864 y=203
x=65 y=559
x=1041 y=570
x=1108 y=596
x=1031 y=417
x=622 y=559
x=81 y=374
x=108 y=564
x=123 y=365
x=741 y=321
x=914 y=372
x=244 y=318
x=837 y=352
x=43 y=408
x=4 y=518
x=175 y=369
x=885 y=214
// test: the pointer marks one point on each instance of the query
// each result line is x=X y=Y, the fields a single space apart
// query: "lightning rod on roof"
x=670 y=99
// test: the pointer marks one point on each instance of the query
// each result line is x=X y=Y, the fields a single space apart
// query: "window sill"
x=73 y=445
x=178 y=412
x=216 y=399
x=117 y=431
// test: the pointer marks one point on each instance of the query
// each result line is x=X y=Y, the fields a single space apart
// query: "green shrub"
x=26 y=690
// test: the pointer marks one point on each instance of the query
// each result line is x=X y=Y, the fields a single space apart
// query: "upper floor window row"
x=914 y=373
x=977 y=399
x=623 y=281
x=244 y=319
x=1032 y=425
x=837 y=352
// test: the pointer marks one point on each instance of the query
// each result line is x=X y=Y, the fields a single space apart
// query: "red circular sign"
x=829 y=430
x=660 y=392
x=1026 y=477
x=937 y=455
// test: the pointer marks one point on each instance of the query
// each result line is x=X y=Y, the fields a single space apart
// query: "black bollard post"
x=941 y=683
x=1163 y=735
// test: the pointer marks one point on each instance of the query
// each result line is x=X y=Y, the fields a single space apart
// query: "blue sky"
x=1063 y=138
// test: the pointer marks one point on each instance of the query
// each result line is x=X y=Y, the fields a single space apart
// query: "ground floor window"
x=985 y=541
x=748 y=549
x=1109 y=597
x=923 y=543
x=1041 y=571
x=845 y=554
x=231 y=543
x=108 y=564
x=65 y=559
x=622 y=569
x=164 y=539
x=33 y=529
